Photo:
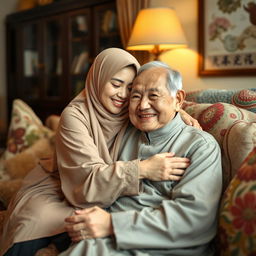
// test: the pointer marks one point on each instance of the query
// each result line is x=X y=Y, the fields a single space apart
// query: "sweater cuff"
x=131 y=180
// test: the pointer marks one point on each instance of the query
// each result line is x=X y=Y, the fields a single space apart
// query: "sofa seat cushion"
x=237 y=222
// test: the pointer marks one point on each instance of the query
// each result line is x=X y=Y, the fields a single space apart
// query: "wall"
x=186 y=60
x=183 y=60
x=6 y=7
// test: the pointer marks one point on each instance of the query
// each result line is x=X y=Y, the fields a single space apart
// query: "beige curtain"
x=127 y=11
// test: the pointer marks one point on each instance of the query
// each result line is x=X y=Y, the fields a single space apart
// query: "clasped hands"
x=95 y=222
x=88 y=223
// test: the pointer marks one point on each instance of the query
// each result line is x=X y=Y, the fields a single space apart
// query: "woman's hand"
x=163 y=166
x=189 y=120
x=88 y=223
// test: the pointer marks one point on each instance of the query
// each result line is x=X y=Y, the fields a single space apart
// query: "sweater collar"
x=169 y=130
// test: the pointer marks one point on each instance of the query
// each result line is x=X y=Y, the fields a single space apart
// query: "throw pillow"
x=237 y=221
x=24 y=130
x=245 y=99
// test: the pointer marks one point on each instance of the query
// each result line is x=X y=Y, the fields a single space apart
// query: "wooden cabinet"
x=50 y=49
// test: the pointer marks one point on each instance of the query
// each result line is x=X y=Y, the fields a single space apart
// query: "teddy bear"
x=18 y=166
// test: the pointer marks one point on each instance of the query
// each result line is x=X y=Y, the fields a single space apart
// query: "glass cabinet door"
x=42 y=60
x=30 y=61
x=53 y=64
x=80 y=50
x=106 y=27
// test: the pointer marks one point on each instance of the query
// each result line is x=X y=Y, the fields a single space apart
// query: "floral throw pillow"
x=237 y=221
x=24 y=130
x=245 y=99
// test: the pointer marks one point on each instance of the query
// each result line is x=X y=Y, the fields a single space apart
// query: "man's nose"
x=144 y=104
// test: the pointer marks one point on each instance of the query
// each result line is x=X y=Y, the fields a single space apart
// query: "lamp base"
x=157 y=52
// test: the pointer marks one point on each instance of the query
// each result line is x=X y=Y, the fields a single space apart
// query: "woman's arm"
x=189 y=120
x=169 y=225
x=87 y=180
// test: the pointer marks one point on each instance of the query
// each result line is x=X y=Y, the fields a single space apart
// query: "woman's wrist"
x=143 y=169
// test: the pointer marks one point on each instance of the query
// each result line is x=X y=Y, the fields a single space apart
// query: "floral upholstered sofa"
x=229 y=115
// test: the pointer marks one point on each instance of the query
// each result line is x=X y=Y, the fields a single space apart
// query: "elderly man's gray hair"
x=174 y=80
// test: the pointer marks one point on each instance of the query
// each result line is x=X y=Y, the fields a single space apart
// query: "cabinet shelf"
x=80 y=39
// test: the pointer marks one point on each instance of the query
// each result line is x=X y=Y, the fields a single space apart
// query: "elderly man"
x=168 y=217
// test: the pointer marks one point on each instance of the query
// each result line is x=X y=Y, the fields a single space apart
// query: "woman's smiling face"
x=115 y=94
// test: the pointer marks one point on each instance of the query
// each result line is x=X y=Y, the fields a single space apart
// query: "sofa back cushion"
x=244 y=98
x=223 y=121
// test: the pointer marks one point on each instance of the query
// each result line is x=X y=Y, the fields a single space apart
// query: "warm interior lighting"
x=156 y=30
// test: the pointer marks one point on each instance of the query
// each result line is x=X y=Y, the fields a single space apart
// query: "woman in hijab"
x=87 y=146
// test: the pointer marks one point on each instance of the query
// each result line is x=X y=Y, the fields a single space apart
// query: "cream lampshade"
x=156 y=30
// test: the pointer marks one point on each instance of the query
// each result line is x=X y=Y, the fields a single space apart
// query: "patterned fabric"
x=239 y=140
x=25 y=128
x=223 y=121
x=245 y=98
x=237 y=226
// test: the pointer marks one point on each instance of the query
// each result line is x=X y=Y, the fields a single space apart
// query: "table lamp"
x=156 y=30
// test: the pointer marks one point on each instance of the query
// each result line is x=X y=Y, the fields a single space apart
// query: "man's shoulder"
x=200 y=135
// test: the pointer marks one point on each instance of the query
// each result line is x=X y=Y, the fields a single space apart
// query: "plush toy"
x=19 y=165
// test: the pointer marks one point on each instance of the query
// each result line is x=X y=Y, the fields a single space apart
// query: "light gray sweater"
x=166 y=218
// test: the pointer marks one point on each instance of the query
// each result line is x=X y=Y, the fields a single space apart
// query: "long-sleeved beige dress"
x=87 y=146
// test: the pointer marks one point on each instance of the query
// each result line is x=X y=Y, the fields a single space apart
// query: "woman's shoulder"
x=76 y=108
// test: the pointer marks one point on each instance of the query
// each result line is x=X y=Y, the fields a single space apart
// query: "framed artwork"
x=227 y=37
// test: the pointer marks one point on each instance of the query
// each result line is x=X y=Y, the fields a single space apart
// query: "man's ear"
x=180 y=97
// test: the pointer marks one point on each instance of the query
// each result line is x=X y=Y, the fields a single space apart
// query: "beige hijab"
x=108 y=129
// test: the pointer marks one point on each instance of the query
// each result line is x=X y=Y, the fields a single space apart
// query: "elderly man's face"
x=151 y=104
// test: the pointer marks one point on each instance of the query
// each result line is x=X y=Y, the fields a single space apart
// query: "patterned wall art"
x=227 y=37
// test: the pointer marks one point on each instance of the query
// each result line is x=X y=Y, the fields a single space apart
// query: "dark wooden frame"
x=202 y=70
x=62 y=11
